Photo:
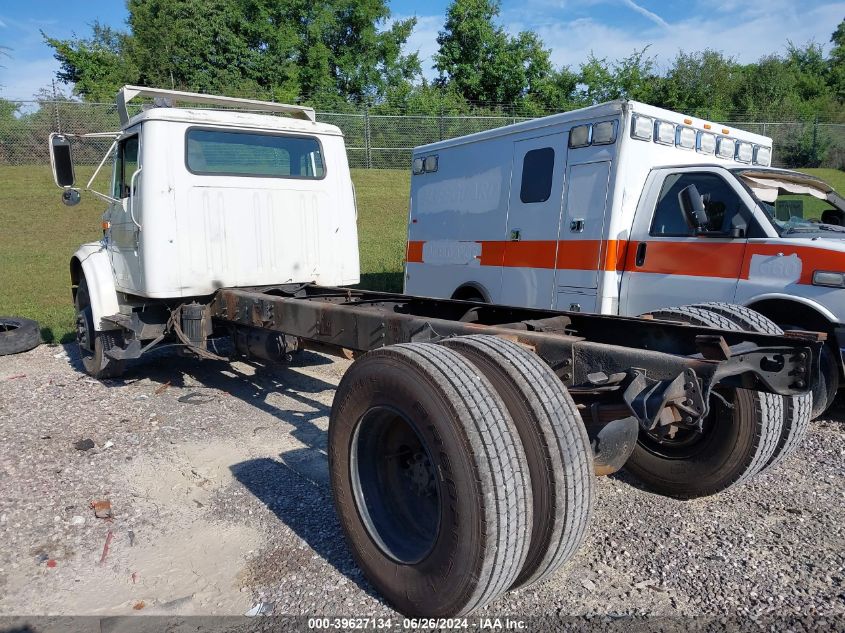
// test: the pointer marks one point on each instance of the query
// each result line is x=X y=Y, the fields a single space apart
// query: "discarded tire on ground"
x=797 y=410
x=18 y=335
x=429 y=479
x=556 y=446
x=738 y=437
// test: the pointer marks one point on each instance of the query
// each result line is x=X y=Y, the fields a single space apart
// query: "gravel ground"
x=217 y=478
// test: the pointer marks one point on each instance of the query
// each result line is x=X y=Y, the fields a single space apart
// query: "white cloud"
x=650 y=15
x=423 y=40
x=746 y=39
x=20 y=80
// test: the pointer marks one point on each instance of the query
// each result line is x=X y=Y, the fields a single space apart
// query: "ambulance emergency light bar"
x=645 y=128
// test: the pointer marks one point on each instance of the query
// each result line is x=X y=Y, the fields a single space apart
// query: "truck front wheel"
x=738 y=437
x=429 y=479
x=93 y=344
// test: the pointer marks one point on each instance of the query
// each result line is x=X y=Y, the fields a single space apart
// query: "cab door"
x=125 y=213
x=668 y=263
x=534 y=212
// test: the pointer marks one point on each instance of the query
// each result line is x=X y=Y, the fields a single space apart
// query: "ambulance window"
x=537 y=168
x=723 y=204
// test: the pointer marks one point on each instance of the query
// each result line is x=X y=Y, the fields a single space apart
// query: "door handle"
x=641 y=249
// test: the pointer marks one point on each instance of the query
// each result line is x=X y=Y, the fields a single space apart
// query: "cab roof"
x=233 y=118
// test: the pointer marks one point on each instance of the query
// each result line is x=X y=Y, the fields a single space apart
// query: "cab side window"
x=126 y=163
x=724 y=206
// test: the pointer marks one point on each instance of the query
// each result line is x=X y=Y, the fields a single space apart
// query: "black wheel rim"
x=83 y=330
x=689 y=443
x=394 y=485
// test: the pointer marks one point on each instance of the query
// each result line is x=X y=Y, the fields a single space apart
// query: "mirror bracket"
x=71 y=197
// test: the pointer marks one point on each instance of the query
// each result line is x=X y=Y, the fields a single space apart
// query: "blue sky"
x=745 y=29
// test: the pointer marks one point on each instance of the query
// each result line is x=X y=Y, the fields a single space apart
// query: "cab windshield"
x=796 y=203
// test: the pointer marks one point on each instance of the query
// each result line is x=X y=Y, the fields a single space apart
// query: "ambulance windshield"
x=796 y=203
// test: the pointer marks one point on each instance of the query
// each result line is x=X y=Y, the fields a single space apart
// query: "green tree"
x=332 y=52
x=704 y=83
x=836 y=61
x=631 y=77
x=98 y=65
x=480 y=61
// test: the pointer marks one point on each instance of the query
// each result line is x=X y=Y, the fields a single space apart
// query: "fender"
x=781 y=296
x=472 y=285
x=92 y=261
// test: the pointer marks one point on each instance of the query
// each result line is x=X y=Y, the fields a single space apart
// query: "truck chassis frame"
x=662 y=372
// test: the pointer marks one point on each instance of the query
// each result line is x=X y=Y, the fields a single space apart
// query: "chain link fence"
x=375 y=141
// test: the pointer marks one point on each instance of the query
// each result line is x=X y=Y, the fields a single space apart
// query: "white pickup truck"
x=581 y=211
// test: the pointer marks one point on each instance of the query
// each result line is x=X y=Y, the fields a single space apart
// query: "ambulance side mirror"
x=692 y=206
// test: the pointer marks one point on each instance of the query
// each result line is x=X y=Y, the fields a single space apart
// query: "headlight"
x=831 y=279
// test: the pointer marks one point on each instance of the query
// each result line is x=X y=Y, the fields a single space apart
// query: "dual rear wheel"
x=459 y=471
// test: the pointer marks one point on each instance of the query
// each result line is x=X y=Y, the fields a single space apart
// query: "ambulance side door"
x=670 y=264
x=534 y=212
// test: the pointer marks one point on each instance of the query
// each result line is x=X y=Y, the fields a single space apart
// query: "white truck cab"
x=582 y=211
x=206 y=198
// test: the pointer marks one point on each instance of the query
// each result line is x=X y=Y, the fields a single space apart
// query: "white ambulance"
x=623 y=208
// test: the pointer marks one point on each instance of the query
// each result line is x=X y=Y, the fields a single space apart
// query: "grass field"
x=38 y=235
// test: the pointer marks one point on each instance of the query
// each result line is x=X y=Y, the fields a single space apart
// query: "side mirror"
x=61 y=161
x=692 y=206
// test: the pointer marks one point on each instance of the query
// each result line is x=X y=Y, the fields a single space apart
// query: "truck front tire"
x=797 y=410
x=93 y=344
x=740 y=434
x=429 y=478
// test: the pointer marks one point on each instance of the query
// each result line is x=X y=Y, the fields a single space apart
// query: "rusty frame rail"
x=594 y=355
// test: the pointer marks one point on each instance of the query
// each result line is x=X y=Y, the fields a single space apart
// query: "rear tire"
x=736 y=443
x=93 y=344
x=556 y=446
x=797 y=410
x=409 y=422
